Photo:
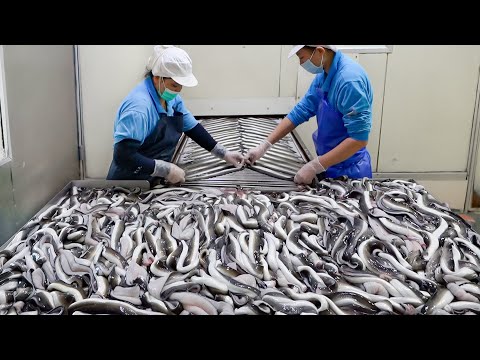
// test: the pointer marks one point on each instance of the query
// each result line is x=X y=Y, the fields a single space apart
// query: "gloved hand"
x=257 y=152
x=307 y=172
x=171 y=172
x=231 y=157
x=234 y=158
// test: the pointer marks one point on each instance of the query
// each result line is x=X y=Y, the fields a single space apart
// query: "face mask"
x=168 y=94
x=311 y=67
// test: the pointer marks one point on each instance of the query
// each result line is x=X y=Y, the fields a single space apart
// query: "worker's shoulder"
x=349 y=70
x=177 y=101
x=138 y=100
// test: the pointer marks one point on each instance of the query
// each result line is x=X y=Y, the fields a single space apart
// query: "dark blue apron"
x=330 y=133
x=159 y=145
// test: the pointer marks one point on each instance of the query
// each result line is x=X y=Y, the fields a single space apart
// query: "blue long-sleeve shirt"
x=138 y=114
x=349 y=92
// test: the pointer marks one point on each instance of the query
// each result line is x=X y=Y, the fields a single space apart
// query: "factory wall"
x=39 y=83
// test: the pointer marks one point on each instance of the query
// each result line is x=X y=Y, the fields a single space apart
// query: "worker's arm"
x=302 y=112
x=201 y=137
x=282 y=129
x=307 y=107
x=206 y=141
x=126 y=155
x=195 y=131
x=192 y=128
x=343 y=151
x=285 y=127
x=130 y=132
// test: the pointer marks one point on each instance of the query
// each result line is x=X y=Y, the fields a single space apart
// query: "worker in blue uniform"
x=341 y=98
x=151 y=119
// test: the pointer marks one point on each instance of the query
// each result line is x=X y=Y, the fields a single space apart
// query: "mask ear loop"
x=164 y=86
x=321 y=61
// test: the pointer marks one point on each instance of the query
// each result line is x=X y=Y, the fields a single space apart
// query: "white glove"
x=231 y=157
x=257 y=152
x=307 y=172
x=169 y=171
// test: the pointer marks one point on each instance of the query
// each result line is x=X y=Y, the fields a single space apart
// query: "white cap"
x=170 y=61
x=298 y=47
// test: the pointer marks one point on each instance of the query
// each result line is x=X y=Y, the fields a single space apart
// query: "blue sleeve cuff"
x=130 y=126
x=295 y=118
x=201 y=137
x=189 y=122
x=126 y=156
x=360 y=136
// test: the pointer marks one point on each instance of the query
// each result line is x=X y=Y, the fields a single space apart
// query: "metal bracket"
x=81 y=153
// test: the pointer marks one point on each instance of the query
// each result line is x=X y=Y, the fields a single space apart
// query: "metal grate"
x=275 y=170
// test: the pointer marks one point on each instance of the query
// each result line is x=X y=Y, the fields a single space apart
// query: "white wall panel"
x=375 y=66
x=428 y=108
x=451 y=192
x=234 y=71
x=288 y=73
